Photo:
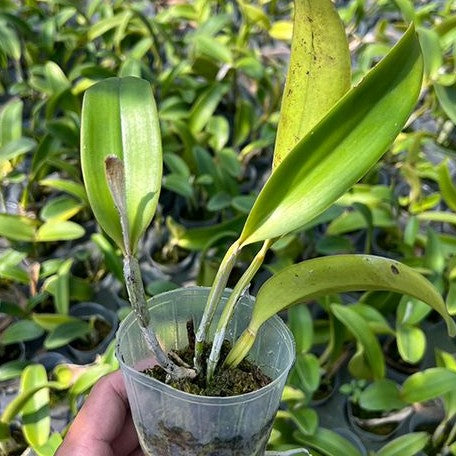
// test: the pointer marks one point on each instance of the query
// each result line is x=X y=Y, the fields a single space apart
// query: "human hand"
x=104 y=426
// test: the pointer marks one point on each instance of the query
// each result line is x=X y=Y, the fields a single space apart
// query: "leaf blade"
x=119 y=118
x=318 y=277
x=346 y=139
x=318 y=74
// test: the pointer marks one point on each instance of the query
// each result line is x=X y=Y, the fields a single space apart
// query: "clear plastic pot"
x=170 y=422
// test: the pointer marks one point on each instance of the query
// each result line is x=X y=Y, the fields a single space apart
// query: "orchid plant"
x=329 y=136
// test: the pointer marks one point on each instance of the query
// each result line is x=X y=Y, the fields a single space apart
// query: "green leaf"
x=212 y=48
x=160 y=286
x=447 y=188
x=291 y=394
x=219 y=128
x=359 y=366
x=60 y=209
x=307 y=370
x=176 y=165
x=16 y=148
x=251 y=66
x=306 y=420
x=300 y=323
x=411 y=231
x=50 y=447
x=80 y=289
x=330 y=245
x=428 y=384
x=328 y=443
x=407 y=9
x=65 y=333
x=21 y=331
x=55 y=77
x=319 y=277
x=434 y=258
x=12 y=369
x=411 y=343
x=73 y=188
x=119 y=118
x=281 y=30
x=243 y=120
x=451 y=298
x=318 y=74
x=87 y=380
x=438 y=216
x=178 y=184
x=354 y=220
x=382 y=395
x=425 y=203
x=341 y=148
x=197 y=239
x=50 y=321
x=406 y=445
x=411 y=311
x=112 y=258
x=18 y=227
x=243 y=203
x=36 y=422
x=102 y=26
x=254 y=15
x=447 y=99
x=364 y=335
x=218 y=202
x=11 y=121
x=376 y=321
x=432 y=53
x=9 y=42
x=205 y=106
x=62 y=287
x=54 y=230
x=447 y=360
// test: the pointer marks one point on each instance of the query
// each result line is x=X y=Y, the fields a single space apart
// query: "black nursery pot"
x=427 y=419
x=85 y=310
x=361 y=422
x=13 y=352
x=153 y=247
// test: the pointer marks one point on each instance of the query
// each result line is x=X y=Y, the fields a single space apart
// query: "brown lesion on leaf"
x=394 y=270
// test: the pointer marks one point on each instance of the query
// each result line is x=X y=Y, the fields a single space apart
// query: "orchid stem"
x=227 y=313
x=115 y=174
x=138 y=302
x=213 y=299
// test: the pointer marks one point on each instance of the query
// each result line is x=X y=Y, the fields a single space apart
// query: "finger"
x=127 y=441
x=100 y=419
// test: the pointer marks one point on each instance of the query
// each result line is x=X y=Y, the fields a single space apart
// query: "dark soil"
x=393 y=359
x=226 y=382
x=172 y=256
x=325 y=389
x=174 y=441
x=101 y=330
x=9 y=353
x=177 y=442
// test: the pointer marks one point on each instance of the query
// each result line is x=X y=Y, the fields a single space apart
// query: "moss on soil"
x=226 y=382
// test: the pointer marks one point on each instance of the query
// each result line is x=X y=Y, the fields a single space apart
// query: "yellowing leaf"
x=318 y=75
x=341 y=148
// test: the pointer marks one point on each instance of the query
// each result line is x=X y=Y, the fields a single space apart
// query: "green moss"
x=226 y=382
